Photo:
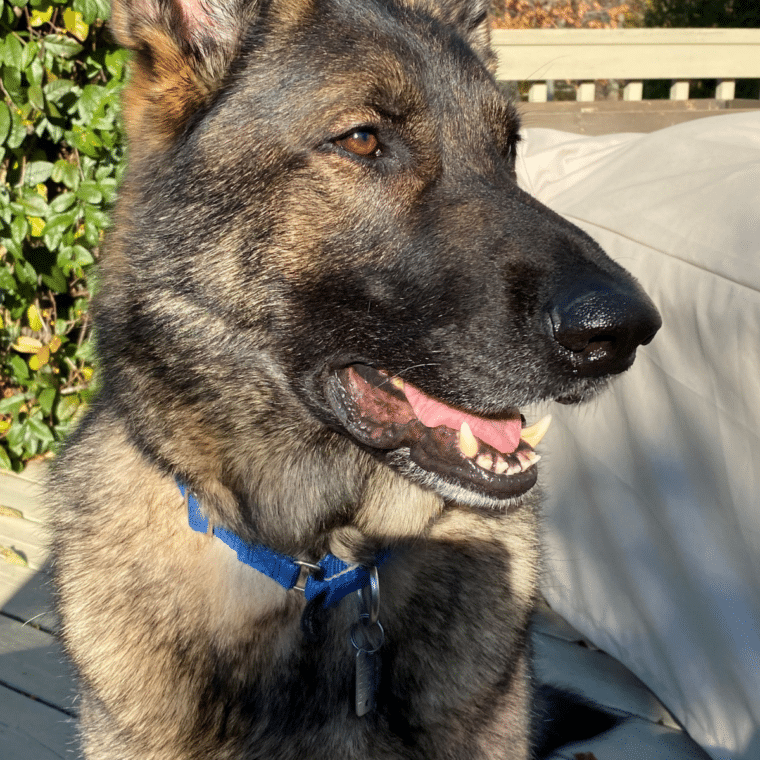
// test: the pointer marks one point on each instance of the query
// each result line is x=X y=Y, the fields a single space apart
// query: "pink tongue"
x=503 y=435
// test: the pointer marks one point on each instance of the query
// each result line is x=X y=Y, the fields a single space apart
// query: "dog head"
x=323 y=264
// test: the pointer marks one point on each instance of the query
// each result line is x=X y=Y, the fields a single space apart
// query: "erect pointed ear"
x=183 y=49
x=471 y=18
x=476 y=20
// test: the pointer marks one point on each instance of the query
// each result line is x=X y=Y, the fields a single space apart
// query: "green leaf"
x=55 y=280
x=24 y=271
x=35 y=71
x=85 y=140
x=58 y=88
x=88 y=191
x=46 y=400
x=62 y=202
x=5 y=121
x=36 y=98
x=14 y=52
x=67 y=407
x=37 y=172
x=34 y=204
x=15 y=250
x=55 y=229
x=12 y=404
x=12 y=83
x=81 y=256
x=97 y=217
x=66 y=173
x=91 y=100
x=19 y=369
x=15 y=438
x=7 y=281
x=108 y=188
x=105 y=172
x=88 y=9
x=18 y=130
x=59 y=44
x=7 y=15
x=19 y=229
x=55 y=132
x=30 y=53
x=5 y=460
x=92 y=232
x=40 y=430
x=86 y=352
x=104 y=9
x=115 y=61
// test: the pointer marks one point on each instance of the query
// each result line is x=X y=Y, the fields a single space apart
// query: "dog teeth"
x=397 y=382
x=512 y=464
x=527 y=459
x=519 y=462
x=468 y=443
x=532 y=435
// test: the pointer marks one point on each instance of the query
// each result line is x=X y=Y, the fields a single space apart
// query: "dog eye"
x=361 y=143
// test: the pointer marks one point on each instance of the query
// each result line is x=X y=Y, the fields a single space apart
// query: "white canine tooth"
x=468 y=443
x=532 y=435
x=397 y=382
x=484 y=461
x=501 y=466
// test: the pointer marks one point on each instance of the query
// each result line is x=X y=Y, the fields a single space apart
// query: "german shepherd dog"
x=299 y=520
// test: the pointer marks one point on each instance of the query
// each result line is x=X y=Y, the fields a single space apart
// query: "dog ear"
x=182 y=50
x=472 y=19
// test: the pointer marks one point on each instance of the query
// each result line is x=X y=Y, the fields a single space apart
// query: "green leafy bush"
x=60 y=163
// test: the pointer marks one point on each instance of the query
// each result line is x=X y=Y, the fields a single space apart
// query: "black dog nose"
x=601 y=321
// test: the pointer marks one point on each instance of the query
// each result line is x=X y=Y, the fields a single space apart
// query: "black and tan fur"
x=256 y=254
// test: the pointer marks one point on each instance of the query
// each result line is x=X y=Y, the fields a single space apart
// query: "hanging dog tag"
x=367 y=637
x=366 y=681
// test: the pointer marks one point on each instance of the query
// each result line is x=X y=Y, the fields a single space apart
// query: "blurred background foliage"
x=60 y=163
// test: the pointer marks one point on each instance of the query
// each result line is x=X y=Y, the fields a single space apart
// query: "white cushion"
x=652 y=517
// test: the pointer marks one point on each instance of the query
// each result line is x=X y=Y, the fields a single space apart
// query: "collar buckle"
x=307 y=570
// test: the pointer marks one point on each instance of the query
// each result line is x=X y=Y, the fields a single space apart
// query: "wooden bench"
x=584 y=56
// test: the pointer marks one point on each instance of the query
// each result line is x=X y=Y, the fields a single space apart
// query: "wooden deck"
x=37 y=711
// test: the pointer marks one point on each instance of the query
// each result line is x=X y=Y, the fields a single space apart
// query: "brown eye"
x=360 y=143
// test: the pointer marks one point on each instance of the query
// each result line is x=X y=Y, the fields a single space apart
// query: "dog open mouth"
x=491 y=455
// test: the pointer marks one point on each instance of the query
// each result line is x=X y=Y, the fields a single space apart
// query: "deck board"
x=36 y=685
x=30 y=730
x=31 y=662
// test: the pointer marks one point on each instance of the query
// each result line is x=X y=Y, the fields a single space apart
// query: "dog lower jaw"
x=453 y=491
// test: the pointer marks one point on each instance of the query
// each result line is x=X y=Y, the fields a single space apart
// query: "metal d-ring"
x=377 y=625
x=369 y=597
x=374 y=596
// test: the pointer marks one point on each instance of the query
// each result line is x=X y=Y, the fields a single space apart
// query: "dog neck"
x=328 y=581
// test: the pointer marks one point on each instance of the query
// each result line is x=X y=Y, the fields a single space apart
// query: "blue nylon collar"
x=335 y=578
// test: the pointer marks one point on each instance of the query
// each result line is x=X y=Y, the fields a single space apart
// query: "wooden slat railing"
x=632 y=55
